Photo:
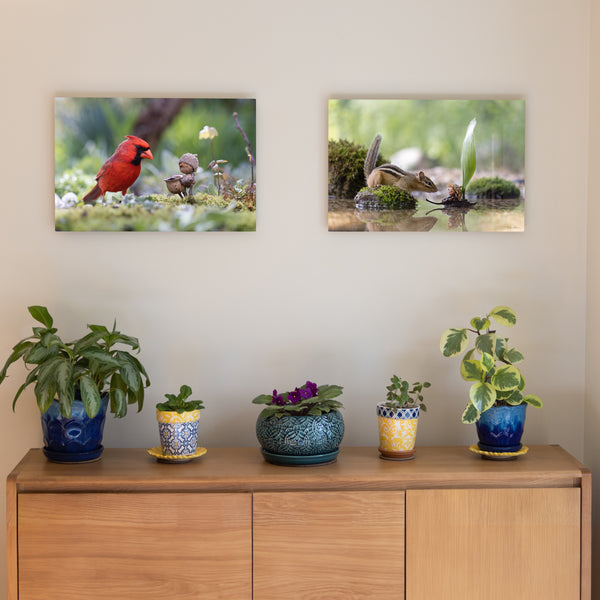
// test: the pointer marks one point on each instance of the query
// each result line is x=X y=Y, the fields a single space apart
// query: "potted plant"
x=74 y=382
x=398 y=417
x=178 y=424
x=497 y=399
x=301 y=427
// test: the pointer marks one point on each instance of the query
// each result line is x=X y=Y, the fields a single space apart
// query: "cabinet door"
x=314 y=545
x=135 y=546
x=494 y=544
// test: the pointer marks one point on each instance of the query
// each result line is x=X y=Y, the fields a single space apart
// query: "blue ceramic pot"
x=301 y=436
x=74 y=439
x=500 y=428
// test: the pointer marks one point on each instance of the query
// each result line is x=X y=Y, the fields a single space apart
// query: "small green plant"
x=308 y=399
x=180 y=403
x=89 y=367
x=400 y=394
x=468 y=157
x=490 y=364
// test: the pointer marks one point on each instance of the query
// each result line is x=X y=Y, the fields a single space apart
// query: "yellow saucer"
x=157 y=452
x=498 y=455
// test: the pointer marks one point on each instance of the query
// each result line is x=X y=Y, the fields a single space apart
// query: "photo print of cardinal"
x=155 y=164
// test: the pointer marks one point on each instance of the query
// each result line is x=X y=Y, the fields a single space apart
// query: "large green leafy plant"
x=87 y=368
x=490 y=364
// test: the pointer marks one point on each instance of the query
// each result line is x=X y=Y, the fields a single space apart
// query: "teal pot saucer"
x=310 y=460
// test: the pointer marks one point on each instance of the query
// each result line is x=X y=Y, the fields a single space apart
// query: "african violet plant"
x=180 y=403
x=308 y=399
x=401 y=395
x=89 y=367
x=490 y=364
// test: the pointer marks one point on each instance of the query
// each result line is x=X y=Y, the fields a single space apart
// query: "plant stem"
x=249 y=146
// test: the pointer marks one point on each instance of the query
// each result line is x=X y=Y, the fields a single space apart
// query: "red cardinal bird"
x=121 y=170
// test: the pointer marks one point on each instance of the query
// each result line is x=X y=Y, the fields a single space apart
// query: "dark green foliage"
x=180 y=403
x=493 y=188
x=346 y=168
x=90 y=367
x=384 y=197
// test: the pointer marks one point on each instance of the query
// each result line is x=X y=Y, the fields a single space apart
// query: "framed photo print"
x=426 y=165
x=155 y=164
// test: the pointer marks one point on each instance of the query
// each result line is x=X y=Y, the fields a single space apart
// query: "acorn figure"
x=175 y=185
x=183 y=184
x=188 y=164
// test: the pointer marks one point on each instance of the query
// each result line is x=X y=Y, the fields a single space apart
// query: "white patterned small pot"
x=397 y=431
x=178 y=432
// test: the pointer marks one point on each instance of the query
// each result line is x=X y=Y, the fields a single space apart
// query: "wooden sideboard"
x=446 y=525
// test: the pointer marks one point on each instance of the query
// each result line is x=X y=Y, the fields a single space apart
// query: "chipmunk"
x=392 y=174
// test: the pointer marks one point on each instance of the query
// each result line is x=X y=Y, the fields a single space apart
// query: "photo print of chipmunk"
x=426 y=164
x=390 y=174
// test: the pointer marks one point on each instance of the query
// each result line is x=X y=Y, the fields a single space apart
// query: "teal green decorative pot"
x=313 y=437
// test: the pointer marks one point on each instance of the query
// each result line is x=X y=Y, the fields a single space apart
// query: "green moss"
x=158 y=213
x=346 y=168
x=384 y=197
x=493 y=187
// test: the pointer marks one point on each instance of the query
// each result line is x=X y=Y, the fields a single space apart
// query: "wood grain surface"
x=244 y=469
x=316 y=545
x=493 y=544
x=102 y=520
x=135 y=546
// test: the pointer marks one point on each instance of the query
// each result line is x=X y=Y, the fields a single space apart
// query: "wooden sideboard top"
x=244 y=469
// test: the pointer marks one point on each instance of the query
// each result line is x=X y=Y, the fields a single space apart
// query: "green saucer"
x=311 y=460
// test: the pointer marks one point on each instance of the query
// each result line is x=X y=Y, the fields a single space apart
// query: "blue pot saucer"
x=73 y=457
x=309 y=460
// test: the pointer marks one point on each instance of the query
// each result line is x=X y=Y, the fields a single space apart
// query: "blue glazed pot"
x=500 y=428
x=74 y=439
x=301 y=435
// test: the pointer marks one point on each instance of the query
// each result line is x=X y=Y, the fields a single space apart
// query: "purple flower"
x=304 y=393
x=277 y=399
x=295 y=396
x=312 y=389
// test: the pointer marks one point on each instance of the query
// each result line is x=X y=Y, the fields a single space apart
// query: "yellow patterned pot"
x=178 y=431
x=397 y=431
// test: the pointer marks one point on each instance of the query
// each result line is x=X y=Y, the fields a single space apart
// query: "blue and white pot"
x=74 y=439
x=304 y=439
x=178 y=432
x=500 y=428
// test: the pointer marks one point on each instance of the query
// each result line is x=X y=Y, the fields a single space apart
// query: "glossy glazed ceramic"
x=73 y=439
x=178 y=431
x=500 y=428
x=301 y=435
x=397 y=431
